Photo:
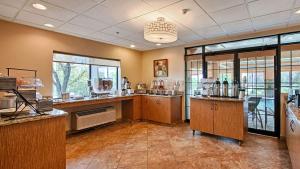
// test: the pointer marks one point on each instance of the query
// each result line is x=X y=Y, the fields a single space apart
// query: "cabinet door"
x=162 y=110
x=145 y=110
x=202 y=115
x=229 y=119
x=151 y=108
x=137 y=107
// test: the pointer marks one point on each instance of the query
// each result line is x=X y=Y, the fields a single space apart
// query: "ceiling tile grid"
x=121 y=22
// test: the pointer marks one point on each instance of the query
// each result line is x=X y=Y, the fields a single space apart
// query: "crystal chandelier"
x=160 y=31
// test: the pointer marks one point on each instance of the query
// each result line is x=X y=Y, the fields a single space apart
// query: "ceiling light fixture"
x=158 y=44
x=49 y=25
x=297 y=12
x=39 y=6
x=132 y=46
x=160 y=31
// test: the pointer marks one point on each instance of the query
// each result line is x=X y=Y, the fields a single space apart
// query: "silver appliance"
x=225 y=88
x=217 y=88
x=235 y=89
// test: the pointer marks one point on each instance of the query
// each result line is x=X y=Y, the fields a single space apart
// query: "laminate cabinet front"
x=161 y=109
x=228 y=119
x=222 y=118
x=202 y=116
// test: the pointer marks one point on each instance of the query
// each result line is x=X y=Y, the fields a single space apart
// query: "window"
x=264 y=41
x=290 y=38
x=105 y=72
x=290 y=68
x=220 y=66
x=71 y=73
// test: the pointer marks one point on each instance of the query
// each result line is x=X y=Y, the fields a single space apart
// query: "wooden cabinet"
x=292 y=138
x=223 y=118
x=202 y=116
x=161 y=109
x=229 y=119
x=37 y=144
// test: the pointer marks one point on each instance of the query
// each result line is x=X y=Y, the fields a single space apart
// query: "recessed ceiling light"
x=39 y=6
x=158 y=44
x=132 y=46
x=297 y=12
x=49 y=25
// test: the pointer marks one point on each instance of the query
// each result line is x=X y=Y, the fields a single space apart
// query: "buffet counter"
x=219 y=116
x=33 y=141
x=133 y=107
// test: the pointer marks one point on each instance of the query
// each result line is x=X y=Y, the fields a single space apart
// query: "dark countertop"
x=218 y=98
x=32 y=116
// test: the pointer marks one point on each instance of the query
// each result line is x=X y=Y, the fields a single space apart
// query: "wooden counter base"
x=37 y=144
x=162 y=109
x=222 y=118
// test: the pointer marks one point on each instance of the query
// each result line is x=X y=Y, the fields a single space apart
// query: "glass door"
x=258 y=78
x=194 y=74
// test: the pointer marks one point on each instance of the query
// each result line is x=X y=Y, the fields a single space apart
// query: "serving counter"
x=33 y=141
x=157 y=108
x=219 y=116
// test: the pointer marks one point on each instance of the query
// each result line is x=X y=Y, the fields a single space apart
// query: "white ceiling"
x=100 y=19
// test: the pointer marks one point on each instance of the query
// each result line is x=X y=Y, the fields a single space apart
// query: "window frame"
x=118 y=68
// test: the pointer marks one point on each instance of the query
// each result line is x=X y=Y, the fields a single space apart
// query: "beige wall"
x=27 y=47
x=175 y=62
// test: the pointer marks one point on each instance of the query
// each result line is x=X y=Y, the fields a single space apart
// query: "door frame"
x=277 y=79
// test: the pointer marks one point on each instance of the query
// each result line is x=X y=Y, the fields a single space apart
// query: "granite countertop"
x=32 y=116
x=218 y=98
x=295 y=110
x=108 y=97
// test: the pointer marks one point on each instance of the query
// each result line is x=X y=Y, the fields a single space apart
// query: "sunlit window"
x=71 y=74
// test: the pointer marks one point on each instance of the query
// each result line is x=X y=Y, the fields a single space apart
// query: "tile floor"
x=143 y=145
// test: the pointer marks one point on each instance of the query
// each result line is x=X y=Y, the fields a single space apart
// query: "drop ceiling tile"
x=52 y=11
x=237 y=27
x=231 y=14
x=88 y=22
x=295 y=18
x=37 y=19
x=116 y=31
x=13 y=3
x=216 y=5
x=75 y=5
x=188 y=36
x=7 y=11
x=195 y=19
x=264 y=7
x=157 y=4
x=102 y=36
x=211 y=32
x=297 y=4
x=70 y=28
x=122 y=42
x=244 y=31
x=272 y=19
x=115 y=11
x=137 y=24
